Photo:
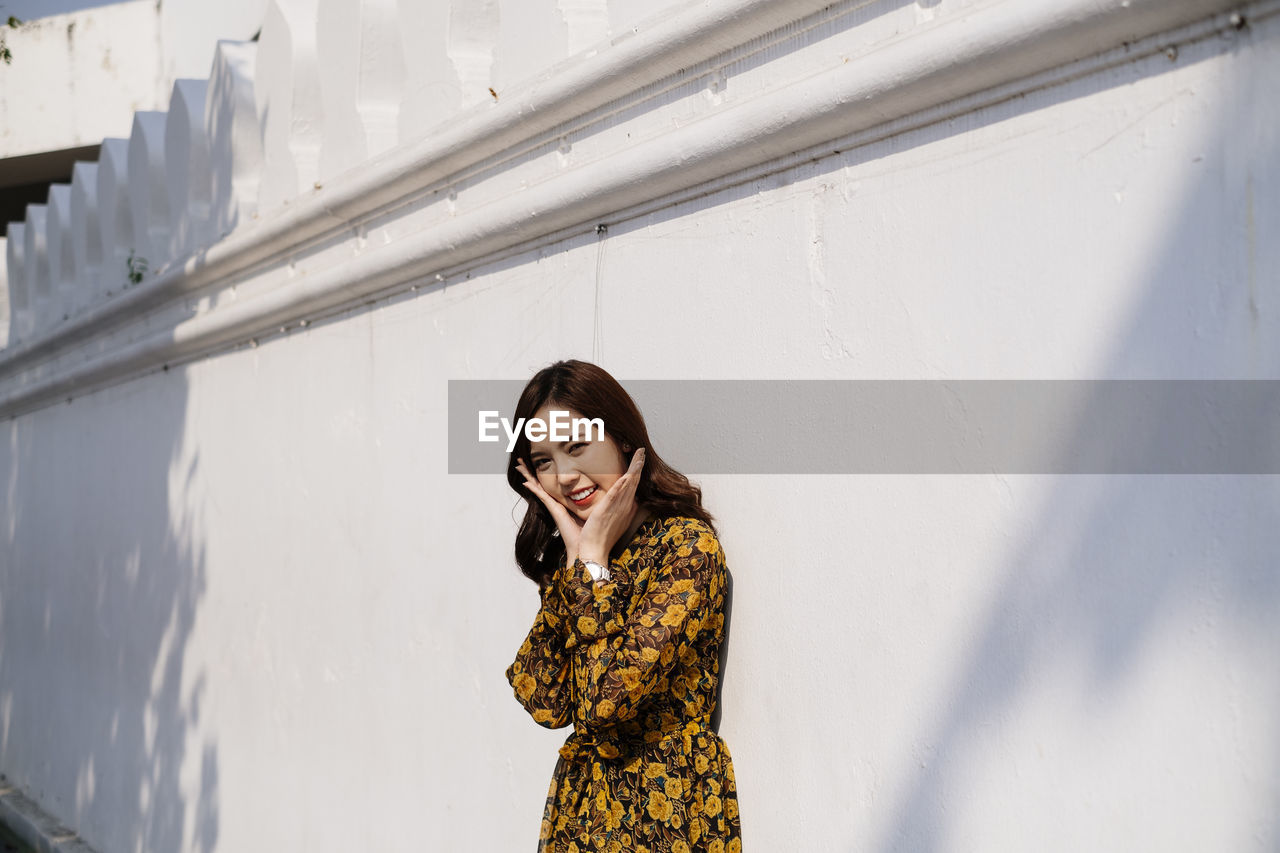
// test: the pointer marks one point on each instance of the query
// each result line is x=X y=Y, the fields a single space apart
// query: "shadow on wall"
x=100 y=579
x=1114 y=562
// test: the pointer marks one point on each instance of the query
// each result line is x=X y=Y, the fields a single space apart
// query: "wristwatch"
x=598 y=572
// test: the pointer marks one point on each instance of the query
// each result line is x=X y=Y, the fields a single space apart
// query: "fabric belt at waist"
x=608 y=745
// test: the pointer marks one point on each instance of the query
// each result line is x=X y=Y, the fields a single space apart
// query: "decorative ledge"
x=35 y=826
x=509 y=175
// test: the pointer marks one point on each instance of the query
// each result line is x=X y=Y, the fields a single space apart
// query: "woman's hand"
x=612 y=515
x=570 y=527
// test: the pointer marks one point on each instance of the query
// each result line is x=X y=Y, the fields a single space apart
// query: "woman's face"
x=584 y=469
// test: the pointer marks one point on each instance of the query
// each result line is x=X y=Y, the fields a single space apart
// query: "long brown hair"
x=593 y=393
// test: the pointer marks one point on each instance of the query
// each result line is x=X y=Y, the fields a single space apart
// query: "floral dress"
x=633 y=663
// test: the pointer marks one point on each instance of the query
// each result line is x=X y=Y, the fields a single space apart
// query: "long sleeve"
x=629 y=656
x=540 y=674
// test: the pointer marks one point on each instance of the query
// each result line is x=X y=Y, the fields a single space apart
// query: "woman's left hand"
x=612 y=514
x=570 y=528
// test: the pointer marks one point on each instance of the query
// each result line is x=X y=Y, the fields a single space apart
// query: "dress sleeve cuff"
x=592 y=605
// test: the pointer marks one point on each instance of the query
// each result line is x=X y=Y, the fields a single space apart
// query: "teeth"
x=577 y=496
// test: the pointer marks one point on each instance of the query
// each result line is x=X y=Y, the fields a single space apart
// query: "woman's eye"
x=574 y=447
x=538 y=463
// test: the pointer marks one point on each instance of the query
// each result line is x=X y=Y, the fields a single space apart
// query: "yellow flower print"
x=631 y=678
x=674 y=615
x=613 y=818
x=525 y=685
x=649 y=783
x=659 y=807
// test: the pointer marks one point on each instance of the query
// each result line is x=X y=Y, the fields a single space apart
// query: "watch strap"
x=597 y=571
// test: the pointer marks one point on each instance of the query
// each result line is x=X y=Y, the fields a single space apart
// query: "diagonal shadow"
x=1083 y=588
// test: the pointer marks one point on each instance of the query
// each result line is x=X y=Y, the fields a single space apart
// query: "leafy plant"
x=6 y=54
x=137 y=267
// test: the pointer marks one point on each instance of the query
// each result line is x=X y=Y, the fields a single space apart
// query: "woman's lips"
x=588 y=498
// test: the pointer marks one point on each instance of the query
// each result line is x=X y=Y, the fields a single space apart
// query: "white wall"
x=78 y=77
x=80 y=70
x=243 y=606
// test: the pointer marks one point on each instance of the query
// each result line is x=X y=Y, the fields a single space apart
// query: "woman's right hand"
x=570 y=527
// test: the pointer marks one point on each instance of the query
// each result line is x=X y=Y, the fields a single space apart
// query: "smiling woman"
x=625 y=644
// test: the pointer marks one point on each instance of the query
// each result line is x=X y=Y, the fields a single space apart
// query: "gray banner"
x=749 y=426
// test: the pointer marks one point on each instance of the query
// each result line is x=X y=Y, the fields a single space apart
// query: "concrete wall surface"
x=244 y=606
x=80 y=70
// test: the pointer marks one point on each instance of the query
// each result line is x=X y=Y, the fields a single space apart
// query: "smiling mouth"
x=584 y=495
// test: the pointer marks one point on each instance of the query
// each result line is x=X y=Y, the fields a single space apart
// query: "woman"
x=626 y=642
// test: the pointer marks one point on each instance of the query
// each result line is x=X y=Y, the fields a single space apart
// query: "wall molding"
x=957 y=63
x=35 y=826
